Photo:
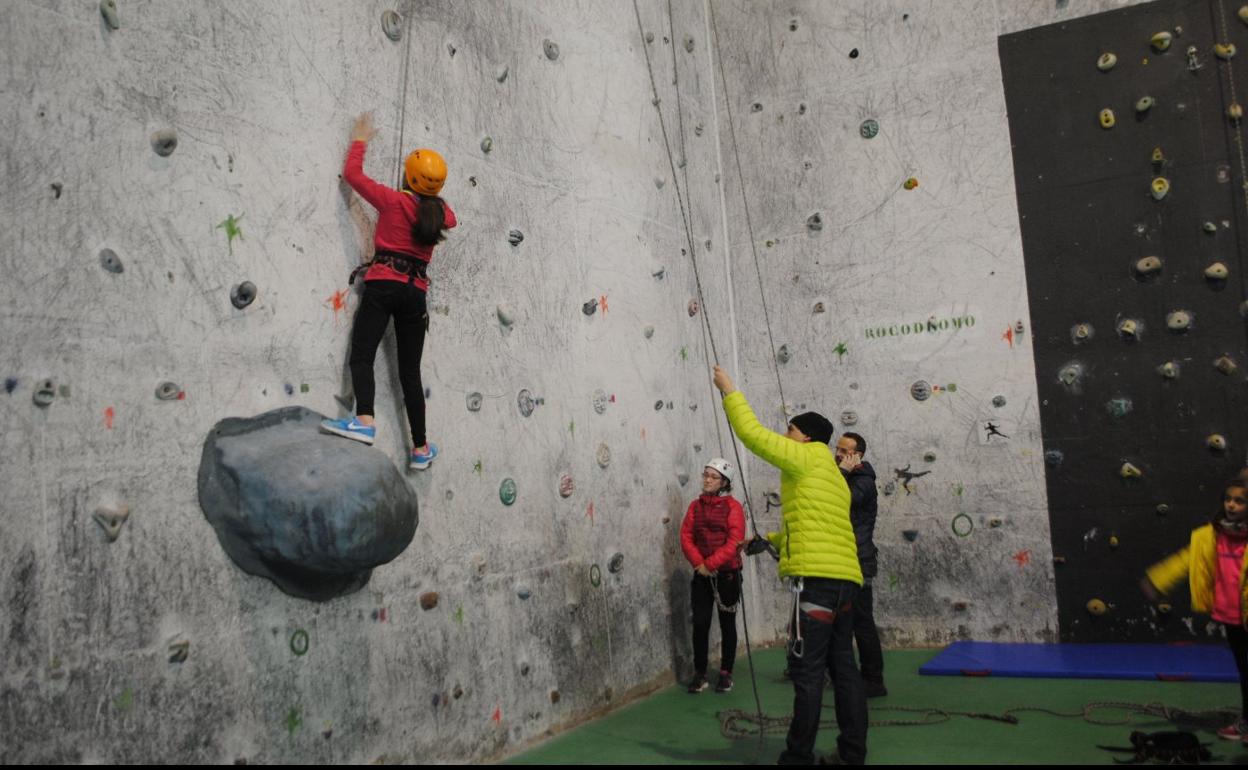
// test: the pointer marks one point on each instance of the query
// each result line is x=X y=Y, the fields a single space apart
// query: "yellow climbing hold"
x=1224 y=51
x=1159 y=157
x=1243 y=13
x=1217 y=272
x=911 y=183
x=1129 y=471
x=1097 y=607
x=1161 y=41
x=1216 y=442
x=1106 y=62
x=1113 y=541
x=1160 y=187
x=1148 y=265
x=1235 y=111
x=1107 y=118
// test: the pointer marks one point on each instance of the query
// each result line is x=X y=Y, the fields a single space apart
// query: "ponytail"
x=429 y=229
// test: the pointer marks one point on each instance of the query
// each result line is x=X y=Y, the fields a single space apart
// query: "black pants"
x=406 y=303
x=1238 y=639
x=703 y=600
x=827 y=624
x=870 y=653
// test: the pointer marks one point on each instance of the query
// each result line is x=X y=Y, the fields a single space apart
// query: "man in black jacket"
x=861 y=479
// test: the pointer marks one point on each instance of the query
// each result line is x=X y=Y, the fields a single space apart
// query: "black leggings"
x=406 y=303
x=1237 y=637
x=703 y=601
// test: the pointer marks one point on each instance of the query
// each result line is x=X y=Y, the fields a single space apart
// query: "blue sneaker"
x=351 y=429
x=421 y=460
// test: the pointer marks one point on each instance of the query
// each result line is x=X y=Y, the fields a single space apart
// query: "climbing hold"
x=616 y=563
x=1129 y=328
x=961 y=605
x=167 y=391
x=1217 y=272
x=849 y=417
x=649 y=37
x=45 y=394
x=1081 y=333
x=603 y=455
x=929 y=456
x=658 y=405
x=1226 y=365
x=10 y=384
x=1216 y=442
x=1053 y=457
x=962 y=525
x=392 y=25
x=179 y=651
x=551 y=49
x=595 y=575
x=783 y=355
x=164 y=142
x=756 y=107
x=473 y=401
x=1243 y=13
x=814 y=222
x=1119 y=407
x=1235 y=111
x=507 y=491
x=1163 y=509
x=243 y=294
x=801 y=109
x=525 y=402
x=1210 y=228
x=1148 y=265
x=108 y=9
x=1169 y=370
x=566 y=485
x=693 y=307
x=869 y=128
x=1179 y=321
x=998 y=401
x=996 y=522
x=111 y=519
x=647 y=331
x=111 y=262
x=682 y=478
x=1113 y=541
x=819 y=307
x=590 y=307
x=1224 y=51
x=910 y=535
x=506 y=316
x=689 y=43
x=890 y=488
x=853 y=54
x=299 y=642
x=1193 y=63
x=487 y=144
x=1243 y=308
x=428 y=600
x=1107 y=118
x=1096 y=606
x=500 y=74
x=1144 y=104
x=1158 y=157
x=1106 y=61
x=600 y=401
x=515 y=237
x=910 y=183
x=1070 y=374
x=1161 y=41
x=1160 y=187
x=1164 y=608
x=1129 y=471
x=920 y=390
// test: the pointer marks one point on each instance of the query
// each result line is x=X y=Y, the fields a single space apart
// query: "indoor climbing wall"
x=878 y=221
x=1129 y=159
x=180 y=243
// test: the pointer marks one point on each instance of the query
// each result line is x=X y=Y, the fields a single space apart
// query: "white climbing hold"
x=392 y=25
x=111 y=519
x=1148 y=265
x=1106 y=61
x=506 y=316
x=108 y=9
x=1217 y=272
x=500 y=74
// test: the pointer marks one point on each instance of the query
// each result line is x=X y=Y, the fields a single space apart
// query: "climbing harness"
x=1169 y=747
x=404 y=264
x=731 y=608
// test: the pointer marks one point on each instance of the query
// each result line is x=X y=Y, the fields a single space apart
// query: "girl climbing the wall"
x=410 y=222
x=1213 y=562
x=710 y=535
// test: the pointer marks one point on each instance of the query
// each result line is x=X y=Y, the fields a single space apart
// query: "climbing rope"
x=737 y=724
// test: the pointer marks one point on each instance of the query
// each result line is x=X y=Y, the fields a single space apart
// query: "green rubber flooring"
x=673 y=727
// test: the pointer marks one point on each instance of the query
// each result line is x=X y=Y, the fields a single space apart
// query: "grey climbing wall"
x=128 y=631
x=1139 y=352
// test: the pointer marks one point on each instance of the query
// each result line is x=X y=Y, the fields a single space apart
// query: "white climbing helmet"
x=722 y=467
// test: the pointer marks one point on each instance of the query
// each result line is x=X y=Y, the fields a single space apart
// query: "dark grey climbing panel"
x=1127 y=348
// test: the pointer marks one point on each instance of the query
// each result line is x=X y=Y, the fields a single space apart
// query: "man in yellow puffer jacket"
x=819 y=553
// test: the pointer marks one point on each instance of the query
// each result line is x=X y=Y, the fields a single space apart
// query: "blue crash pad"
x=1166 y=662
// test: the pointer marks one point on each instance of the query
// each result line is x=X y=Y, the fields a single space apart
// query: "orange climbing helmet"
x=425 y=171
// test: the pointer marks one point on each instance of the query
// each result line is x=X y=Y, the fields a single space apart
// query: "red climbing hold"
x=1009 y=336
x=108 y=418
x=497 y=718
x=1023 y=558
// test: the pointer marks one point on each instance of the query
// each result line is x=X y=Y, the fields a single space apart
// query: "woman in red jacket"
x=713 y=529
x=410 y=222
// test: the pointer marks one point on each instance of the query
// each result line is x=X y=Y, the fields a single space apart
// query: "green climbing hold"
x=232 y=230
x=507 y=491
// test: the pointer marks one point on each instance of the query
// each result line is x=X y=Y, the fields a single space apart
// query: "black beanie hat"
x=814 y=425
